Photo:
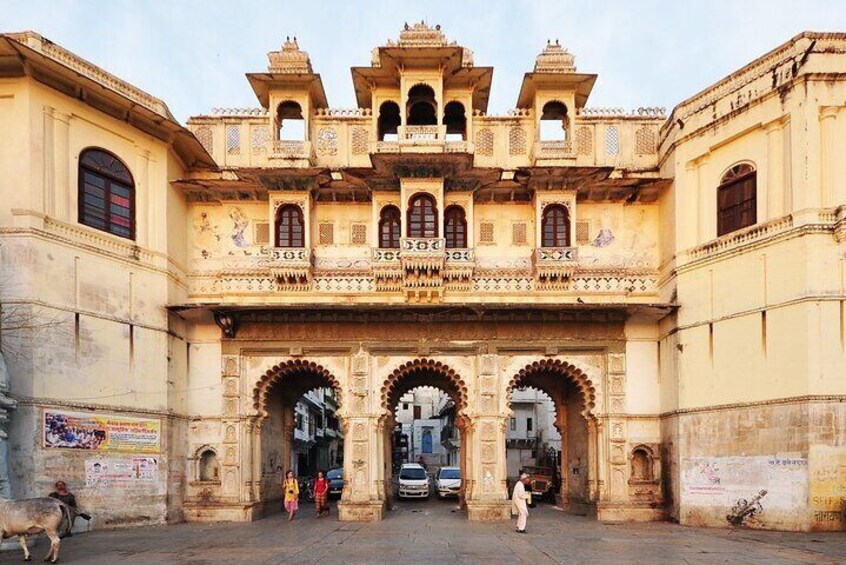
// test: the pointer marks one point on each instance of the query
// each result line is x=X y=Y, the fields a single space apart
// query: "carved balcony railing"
x=554 y=267
x=422 y=134
x=291 y=267
x=459 y=146
x=553 y=150
x=423 y=261
x=292 y=150
x=387 y=268
x=458 y=269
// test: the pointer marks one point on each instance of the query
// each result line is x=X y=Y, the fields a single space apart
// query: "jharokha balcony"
x=554 y=267
x=291 y=267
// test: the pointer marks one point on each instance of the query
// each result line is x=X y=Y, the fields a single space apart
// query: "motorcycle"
x=306 y=489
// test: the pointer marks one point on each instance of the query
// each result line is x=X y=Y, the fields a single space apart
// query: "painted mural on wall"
x=722 y=483
x=225 y=231
x=619 y=237
x=828 y=487
x=99 y=432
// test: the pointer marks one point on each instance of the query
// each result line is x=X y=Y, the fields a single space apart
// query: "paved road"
x=435 y=532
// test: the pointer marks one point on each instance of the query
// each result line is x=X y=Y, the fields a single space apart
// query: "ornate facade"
x=675 y=284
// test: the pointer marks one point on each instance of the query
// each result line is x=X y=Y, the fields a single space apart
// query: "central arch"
x=574 y=397
x=414 y=374
x=275 y=398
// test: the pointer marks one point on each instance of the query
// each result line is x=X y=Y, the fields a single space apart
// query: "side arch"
x=309 y=375
x=572 y=373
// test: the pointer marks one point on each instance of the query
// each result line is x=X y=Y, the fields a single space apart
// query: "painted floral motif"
x=240 y=222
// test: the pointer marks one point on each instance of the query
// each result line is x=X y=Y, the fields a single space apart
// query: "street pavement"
x=436 y=532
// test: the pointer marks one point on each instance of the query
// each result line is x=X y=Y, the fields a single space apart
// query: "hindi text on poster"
x=101 y=432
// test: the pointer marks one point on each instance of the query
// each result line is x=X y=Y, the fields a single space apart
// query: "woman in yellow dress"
x=291 y=490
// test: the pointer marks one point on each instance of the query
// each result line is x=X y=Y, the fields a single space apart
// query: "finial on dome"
x=291 y=59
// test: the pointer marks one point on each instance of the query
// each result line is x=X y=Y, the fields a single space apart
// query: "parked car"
x=413 y=481
x=448 y=481
x=336 y=481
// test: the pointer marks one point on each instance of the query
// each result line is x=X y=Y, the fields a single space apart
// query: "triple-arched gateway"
x=273 y=359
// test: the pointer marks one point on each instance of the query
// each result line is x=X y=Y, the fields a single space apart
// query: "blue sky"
x=193 y=54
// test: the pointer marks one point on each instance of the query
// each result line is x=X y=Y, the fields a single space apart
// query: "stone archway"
x=274 y=399
x=574 y=397
x=408 y=376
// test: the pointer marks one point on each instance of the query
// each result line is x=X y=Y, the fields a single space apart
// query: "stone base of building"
x=488 y=510
x=360 y=511
x=222 y=512
x=611 y=512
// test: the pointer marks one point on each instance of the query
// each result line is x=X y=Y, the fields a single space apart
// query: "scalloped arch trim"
x=285 y=370
x=393 y=387
x=568 y=370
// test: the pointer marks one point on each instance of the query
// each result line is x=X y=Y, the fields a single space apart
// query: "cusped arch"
x=414 y=373
x=321 y=377
x=579 y=378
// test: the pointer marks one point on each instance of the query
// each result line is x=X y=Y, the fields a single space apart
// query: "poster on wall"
x=101 y=432
x=120 y=471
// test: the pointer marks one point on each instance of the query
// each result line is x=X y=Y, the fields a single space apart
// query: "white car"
x=413 y=481
x=448 y=481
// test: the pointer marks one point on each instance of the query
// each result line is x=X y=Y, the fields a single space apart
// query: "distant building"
x=531 y=430
x=418 y=414
x=318 y=444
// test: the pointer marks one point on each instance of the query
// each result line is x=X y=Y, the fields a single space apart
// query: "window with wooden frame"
x=290 y=228
x=422 y=216
x=389 y=228
x=106 y=193
x=555 y=226
x=737 y=199
x=455 y=227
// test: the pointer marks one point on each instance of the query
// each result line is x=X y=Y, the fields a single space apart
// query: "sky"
x=193 y=54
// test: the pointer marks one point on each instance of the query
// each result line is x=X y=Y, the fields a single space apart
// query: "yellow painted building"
x=675 y=283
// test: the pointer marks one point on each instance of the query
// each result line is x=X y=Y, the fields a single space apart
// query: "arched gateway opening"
x=432 y=436
x=573 y=397
x=297 y=404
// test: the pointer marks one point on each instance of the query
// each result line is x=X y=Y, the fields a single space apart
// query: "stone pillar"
x=775 y=171
x=488 y=498
x=829 y=152
x=363 y=496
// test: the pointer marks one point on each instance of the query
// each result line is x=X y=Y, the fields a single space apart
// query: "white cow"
x=35 y=515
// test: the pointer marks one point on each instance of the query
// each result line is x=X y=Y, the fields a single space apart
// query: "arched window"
x=455 y=121
x=389 y=227
x=555 y=226
x=389 y=121
x=422 y=216
x=455 y=227
x=209 y=467
x=290 y=226
x=421 y=109
x=290 y=122
x=553 y=122
x=106 y=193
x=736 y=199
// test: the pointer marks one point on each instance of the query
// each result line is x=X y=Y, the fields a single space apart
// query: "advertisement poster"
x=101 y=432
x=120 y=472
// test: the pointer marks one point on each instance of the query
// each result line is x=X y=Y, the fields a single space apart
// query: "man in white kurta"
x=518 y=502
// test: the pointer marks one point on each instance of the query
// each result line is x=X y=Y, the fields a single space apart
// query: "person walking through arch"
x=321 y=494
x=291 y=490
x=519 y=506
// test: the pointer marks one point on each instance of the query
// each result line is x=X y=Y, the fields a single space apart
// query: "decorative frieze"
x=554 y=267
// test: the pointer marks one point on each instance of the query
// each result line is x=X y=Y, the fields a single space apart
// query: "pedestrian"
x=519 y=497
x=62 y=493
x=292 y=494
x=321 y=494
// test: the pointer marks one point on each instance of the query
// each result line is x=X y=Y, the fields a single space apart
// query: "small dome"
x=555 y=59
x=290 y=60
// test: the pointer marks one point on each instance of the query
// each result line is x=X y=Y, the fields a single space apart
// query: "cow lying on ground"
x=35 y=515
